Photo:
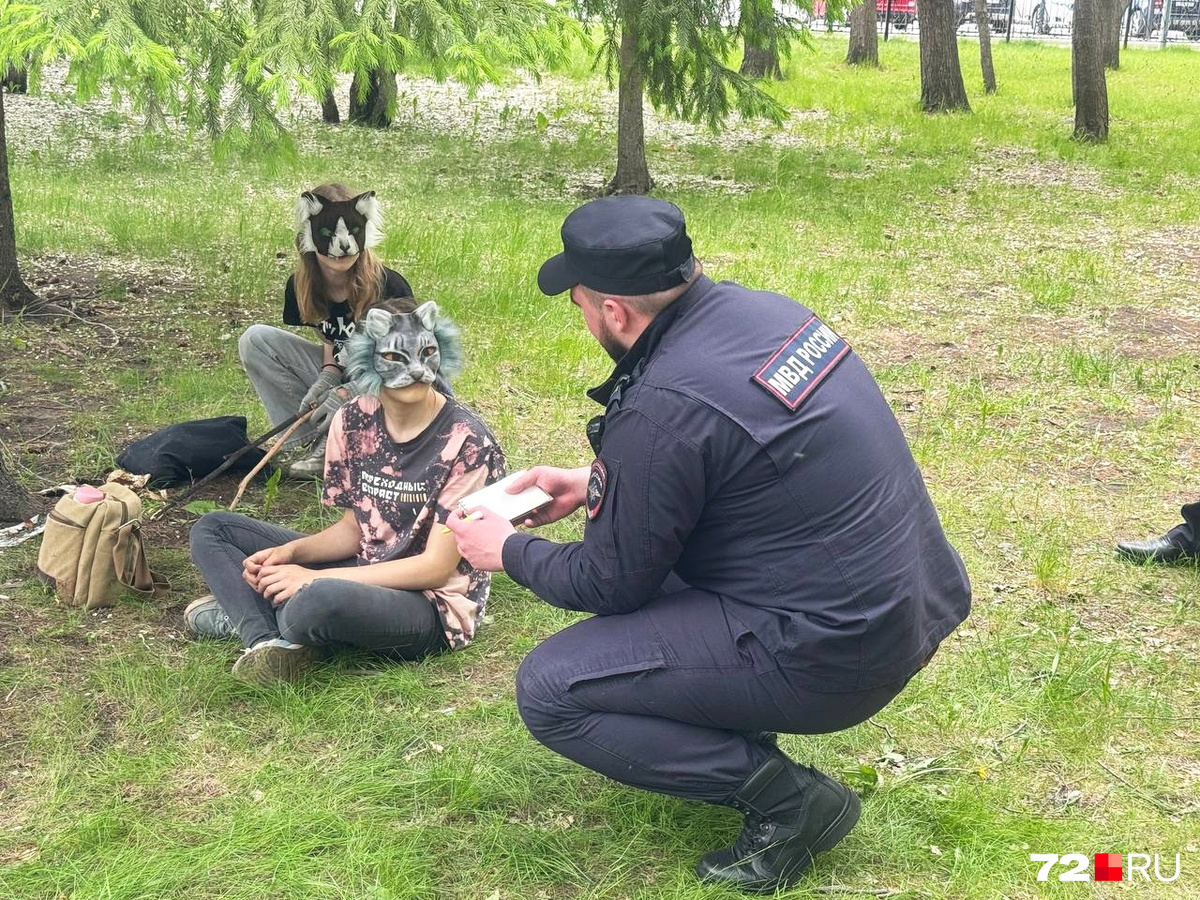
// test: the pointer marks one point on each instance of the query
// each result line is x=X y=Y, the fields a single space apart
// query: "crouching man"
x=760 y=551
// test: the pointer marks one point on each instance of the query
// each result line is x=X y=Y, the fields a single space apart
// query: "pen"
x=475 y=515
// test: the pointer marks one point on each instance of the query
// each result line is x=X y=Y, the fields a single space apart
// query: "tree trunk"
x=14 y=295
x=329 y=109
x=942 y=87
x=16 y=80
x=761 y=62
x=760 y=58
x=1087 y=70
x=1113 y=16
x=15 y=504
x=633 y=177
x=374 y=110
x=864 y=35
x=985 y=46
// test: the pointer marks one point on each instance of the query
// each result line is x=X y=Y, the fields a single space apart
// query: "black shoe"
x=792 y=813
x=1174 y=546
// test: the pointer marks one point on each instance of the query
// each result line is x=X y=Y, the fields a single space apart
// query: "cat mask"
x=338 y=228
x=395 y=350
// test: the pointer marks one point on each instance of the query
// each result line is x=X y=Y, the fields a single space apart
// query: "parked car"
x=903 y=12
x=1185 y=17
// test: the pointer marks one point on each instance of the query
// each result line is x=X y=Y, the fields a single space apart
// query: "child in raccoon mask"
x=337 y=278
x=386 y=577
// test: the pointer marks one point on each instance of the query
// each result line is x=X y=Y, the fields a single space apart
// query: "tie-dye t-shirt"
x=399 y=491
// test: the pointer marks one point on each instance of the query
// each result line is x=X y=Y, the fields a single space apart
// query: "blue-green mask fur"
x=395 y=350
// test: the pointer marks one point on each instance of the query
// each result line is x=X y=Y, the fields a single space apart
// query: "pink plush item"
x=85 y=493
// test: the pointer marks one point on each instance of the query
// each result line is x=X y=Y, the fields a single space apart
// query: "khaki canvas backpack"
x=91 y=550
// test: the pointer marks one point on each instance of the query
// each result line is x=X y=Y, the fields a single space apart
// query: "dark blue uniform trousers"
x=668 y=698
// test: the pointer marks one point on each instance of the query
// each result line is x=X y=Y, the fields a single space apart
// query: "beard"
x=609 y=342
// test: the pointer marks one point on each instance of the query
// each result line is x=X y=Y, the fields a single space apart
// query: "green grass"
x=1029 y=305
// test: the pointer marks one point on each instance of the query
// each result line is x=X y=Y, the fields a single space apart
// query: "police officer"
x=760 y=552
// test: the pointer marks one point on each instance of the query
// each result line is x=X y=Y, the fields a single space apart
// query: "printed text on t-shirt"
x=383 y=487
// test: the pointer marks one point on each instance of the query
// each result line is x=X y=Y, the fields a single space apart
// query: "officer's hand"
x=568 y=487
x=481 y=535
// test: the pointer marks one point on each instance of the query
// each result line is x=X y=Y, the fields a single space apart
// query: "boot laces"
x=754 y=836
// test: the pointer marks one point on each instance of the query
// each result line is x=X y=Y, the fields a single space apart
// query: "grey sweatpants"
x=328 y=612
x=282 y=367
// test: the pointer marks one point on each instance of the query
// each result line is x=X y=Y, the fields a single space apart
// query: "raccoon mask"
x=338 y=228
x=395 y=350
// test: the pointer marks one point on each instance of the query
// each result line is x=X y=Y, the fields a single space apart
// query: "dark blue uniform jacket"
x=813 y=524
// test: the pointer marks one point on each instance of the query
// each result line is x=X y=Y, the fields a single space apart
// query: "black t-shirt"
x=339 y=325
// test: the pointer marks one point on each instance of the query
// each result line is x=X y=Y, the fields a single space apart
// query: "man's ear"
x=616 y=312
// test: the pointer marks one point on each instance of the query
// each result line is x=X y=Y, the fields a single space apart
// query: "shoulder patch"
x=796 y=368
x=596 y=486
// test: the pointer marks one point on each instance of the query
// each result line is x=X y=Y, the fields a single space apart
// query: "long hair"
x=365 y=276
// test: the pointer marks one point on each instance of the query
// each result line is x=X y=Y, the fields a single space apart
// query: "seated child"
x=385 y=577
x=337 y=278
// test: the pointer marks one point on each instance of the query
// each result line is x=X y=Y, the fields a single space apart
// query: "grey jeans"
x=329 y=612
x=282 y=367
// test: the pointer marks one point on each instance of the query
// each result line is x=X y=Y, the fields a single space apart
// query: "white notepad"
x=514 y=507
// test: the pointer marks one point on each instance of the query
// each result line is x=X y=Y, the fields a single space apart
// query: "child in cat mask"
x=386 y=577
x=337 y=278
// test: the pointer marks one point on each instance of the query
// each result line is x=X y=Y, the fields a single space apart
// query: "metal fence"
x=1048 y=20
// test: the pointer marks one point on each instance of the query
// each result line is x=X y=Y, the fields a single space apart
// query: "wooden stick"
x=275 y=448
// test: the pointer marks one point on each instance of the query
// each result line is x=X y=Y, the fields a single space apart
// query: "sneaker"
x=275 y=660
x=204 y=618
x=309 y=466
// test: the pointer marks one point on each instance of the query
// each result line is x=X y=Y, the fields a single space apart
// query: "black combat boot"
x=792 y=813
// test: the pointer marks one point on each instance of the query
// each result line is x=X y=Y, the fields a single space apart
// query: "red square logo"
x=1108 y=867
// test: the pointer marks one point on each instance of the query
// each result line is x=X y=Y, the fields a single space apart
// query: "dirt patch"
x=1155 y=333
x=19 y=854
x=58 y=368
x=1111 y=423
x=557 y=108
x=1168 y=263
x=1021 y=167
x=109 y=717
x=897 y=346
x=1140 y=333
x=93 y=286
x=545 y=184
